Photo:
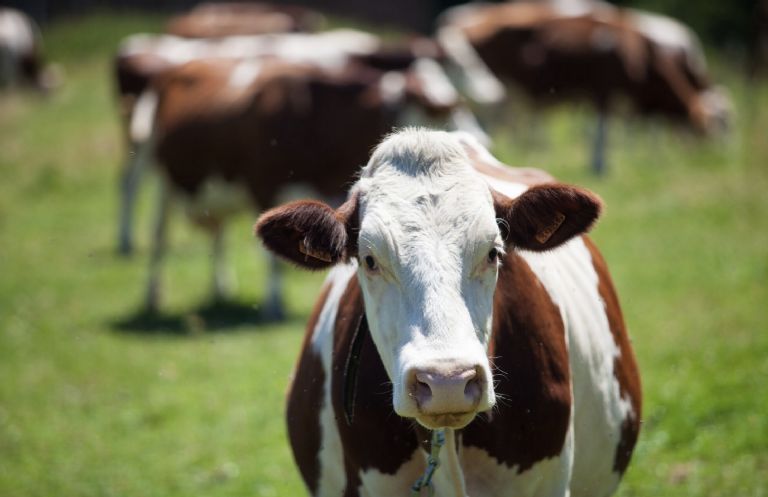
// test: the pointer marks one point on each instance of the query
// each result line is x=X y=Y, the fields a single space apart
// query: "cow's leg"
x=222 y=279
x=141 y=136
x=159 y=247
x=599 y=144
x=273 y=306
x=138 y=157
x=7 y=67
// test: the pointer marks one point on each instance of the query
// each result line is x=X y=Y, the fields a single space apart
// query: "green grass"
x=95 y=400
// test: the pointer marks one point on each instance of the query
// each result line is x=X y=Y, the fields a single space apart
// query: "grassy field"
x=97 y=400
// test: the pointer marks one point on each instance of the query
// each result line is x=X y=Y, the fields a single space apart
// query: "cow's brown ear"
x=309 y=233
x=546 y=216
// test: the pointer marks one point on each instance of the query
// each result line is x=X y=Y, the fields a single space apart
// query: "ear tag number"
x=317 y=254
x=544 y=235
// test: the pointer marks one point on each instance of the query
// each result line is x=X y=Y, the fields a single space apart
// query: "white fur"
x=16 y=33
x=143 y=117
x=428 y=221
x=245 y=73
x=328 y=49
x=392 y=86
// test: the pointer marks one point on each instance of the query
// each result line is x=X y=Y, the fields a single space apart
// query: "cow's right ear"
x=310 y=234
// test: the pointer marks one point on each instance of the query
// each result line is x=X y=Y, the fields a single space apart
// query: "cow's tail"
x=475 y=77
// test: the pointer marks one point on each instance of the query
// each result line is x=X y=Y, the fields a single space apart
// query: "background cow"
x=592 y=51
x=227 y=133
x=142 y=57
x=483 y=306
x=21 y=57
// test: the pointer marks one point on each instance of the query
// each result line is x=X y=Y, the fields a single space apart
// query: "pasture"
x=99 y=400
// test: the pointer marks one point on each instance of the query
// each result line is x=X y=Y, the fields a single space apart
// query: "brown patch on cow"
x=625 y=366
x=532 y=372
x=377 y=437
x=305 y=400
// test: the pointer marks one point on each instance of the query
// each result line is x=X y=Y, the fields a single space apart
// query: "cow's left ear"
x=546 y=216
x=309 y=233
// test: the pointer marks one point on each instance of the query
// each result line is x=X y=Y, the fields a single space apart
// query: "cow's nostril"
x=473 y=390
x=422 y=392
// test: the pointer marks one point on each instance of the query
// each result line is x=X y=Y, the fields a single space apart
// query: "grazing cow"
x=589 y=50
x=211 y=20
x=143 y=57
x=228 y=133
x=21 y=58
x=465 y=302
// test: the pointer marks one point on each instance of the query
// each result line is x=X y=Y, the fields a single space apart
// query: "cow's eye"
x=370 y=263
x=493 y=255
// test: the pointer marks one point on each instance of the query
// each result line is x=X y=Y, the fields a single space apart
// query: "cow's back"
x=289 y=124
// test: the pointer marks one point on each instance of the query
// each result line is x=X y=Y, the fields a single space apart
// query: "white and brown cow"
x=463 y=301
x=143 y=57
x=231 y=134
x=589 y=50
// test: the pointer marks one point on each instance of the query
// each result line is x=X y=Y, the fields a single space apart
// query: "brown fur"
x=545 y=216
x=532 y=373
x=300 y=229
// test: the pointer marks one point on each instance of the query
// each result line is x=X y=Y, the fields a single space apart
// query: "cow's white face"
x=423 y=226
x=428 y=253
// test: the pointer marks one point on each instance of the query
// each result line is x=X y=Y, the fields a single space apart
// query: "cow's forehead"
x=420 y=184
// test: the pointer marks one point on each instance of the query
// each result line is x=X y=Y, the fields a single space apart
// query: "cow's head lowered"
x=429 y=235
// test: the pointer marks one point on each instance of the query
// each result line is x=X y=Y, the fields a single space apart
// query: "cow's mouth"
x=453 y=420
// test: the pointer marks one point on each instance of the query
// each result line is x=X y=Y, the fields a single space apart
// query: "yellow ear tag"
x=317 y=254
x=544 y=235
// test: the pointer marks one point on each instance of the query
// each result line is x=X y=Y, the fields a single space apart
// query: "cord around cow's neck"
x=443 y=437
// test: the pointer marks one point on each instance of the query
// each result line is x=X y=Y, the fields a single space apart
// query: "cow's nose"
x=453 y=391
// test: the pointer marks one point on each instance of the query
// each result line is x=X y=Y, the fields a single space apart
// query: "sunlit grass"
x=95 y=401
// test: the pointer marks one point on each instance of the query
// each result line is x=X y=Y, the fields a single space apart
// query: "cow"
x=227 y=134
x=212 y=20
x=589 y=50
x=464 y=302
x=142 y=57
x=21 y=57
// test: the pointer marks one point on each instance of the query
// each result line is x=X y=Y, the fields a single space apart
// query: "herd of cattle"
x=431 y=311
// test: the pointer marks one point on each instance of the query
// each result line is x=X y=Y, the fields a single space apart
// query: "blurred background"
x=113 y=384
